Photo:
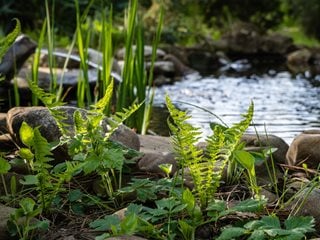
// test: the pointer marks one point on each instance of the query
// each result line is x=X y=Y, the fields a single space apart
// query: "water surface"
x=284 y=105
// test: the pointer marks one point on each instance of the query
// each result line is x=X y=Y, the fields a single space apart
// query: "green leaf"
x=249 y=205
x=26 y=154
x=10 y=38
x=42 y=150
x=258 y=235
x=103 y=103
x=91 y=164
x=186 y=230
x=113 y=158
x=300 y=224
x=26 y=134
x=41 y=225
x=106 y=223
x=189 y=200
x=246 y=160
x=78 y=208
x=129 y=224
x=103 y=236
x=75 y=195
x=29 y=180
x=270 y=222
x=4 y=166
x=27 y=204
x=231 y=233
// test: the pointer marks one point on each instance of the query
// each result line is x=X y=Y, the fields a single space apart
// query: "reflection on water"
x=284 y=105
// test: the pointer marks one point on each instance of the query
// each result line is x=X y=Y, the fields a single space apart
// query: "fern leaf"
x=184 y=138
x=103 y=103
x=80 y=124
x=119 y=117
x=42 y=151
x=6 y=42
x=221 y=145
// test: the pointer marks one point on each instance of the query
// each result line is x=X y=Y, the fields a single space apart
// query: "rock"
x=180 y=68
x=3 y=123
x=203 y=60
x=270 y=141
x=305 y=148
x=150 y=163
x=276 y=44
x=301 y=56
x=34 y=116
x=304 y=204
x=243 y=38
x=147 y=53
x=155 y=144
x=40 y=116
x=265 y=172
x=16 y=55
x=5 y=213
x=162 y=68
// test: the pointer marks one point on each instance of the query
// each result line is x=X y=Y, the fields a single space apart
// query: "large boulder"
x=305 y=148
x=267 y=171
x=254 y=142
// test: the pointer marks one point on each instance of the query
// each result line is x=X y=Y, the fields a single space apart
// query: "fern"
x=206 y=170
x=184 y=137
x=6 y=42
x=119 y=117
x=102 y=105
x=220 y=148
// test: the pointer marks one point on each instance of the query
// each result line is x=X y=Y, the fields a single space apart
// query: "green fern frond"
x=222 y=143
x=49 y=100
x=184 y=139
x=119 y=117
x=80 y=124
x=206 y=170
x=104 y=102
x=42 y=151
x=6 y=42
x=184 y=136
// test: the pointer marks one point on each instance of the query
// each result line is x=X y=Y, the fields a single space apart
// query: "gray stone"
x=269 y=141
x=5 y=213
x=147 y=53
x=155 y=144
x=305 y=203
x=150 y=163
x=305 y=148
x=3 y=123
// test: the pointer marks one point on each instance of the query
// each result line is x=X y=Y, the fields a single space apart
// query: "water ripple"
x=284 y=106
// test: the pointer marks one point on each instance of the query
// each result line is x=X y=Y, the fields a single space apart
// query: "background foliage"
x=186 y=20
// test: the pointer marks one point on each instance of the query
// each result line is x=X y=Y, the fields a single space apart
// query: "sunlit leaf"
x=4 y=166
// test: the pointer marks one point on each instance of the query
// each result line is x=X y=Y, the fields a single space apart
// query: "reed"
x=136 y=86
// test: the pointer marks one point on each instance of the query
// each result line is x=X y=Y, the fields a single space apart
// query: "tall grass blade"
x=83 y=89
x=36 y=61
x=150 y=88
x=50 y=39
x=107 y=52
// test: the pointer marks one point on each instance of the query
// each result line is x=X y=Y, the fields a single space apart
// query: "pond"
x=284 y=104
